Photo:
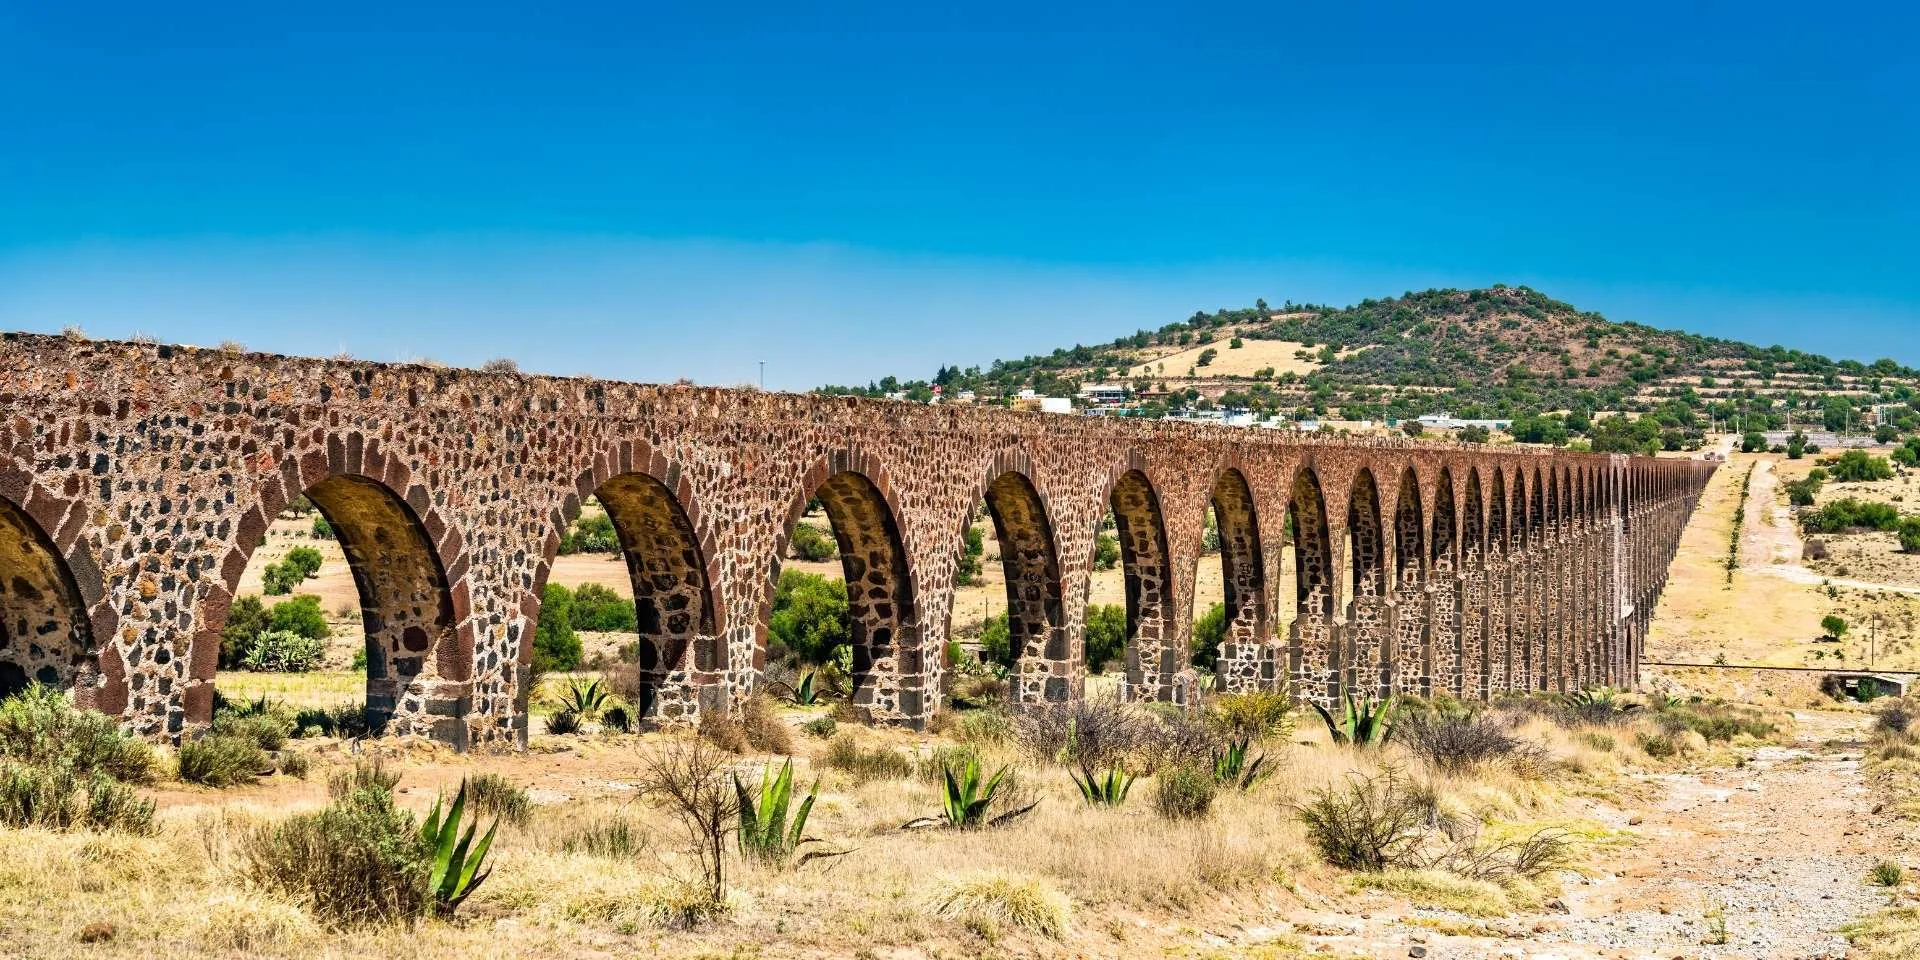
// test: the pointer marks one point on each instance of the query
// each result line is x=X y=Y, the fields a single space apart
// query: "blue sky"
x=846 y=191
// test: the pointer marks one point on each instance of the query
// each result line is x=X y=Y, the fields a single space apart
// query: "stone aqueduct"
x=136 y=480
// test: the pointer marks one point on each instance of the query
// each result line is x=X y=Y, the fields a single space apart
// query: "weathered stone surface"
x=136 y=480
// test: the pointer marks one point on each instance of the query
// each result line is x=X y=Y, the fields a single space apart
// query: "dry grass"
x=1062 y=879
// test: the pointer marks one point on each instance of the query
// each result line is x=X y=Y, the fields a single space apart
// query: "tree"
x=1412 y=428
x=1753 y=442
x=555 y=645
x=1834 y=626
x=1106 y=635
x=598 y=609
x=1796 y=445
x=1208 y=631
x=1106 y=552
x=1910 y=534
x=1206 y=357
x=1904 y=456
x=1475 y=433
x=809 y=616
x=301 y=615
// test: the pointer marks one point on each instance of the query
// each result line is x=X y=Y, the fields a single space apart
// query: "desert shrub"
x=1184 y=792
x=40 y=727
x=614 y=838
x=56 y=798
x=555 y=644
x=1894 y=715
x=1595 y=739
x=267 y=725
x=346 y=720
x=822 y=727
x=359 y=860
x=1909 y=531
x=322 y=530
x=809 y=617
x=1658 y=745
x=1886 y=874
x=1106 y=552
x=811 y=544
x=495 y=795
x=992 y=726
x=1371 y=822
x=293 y=763
x=1092 y=733
x=1814 y=549
x=986 y=903
x=283 y=651
x=1716 y=721
x=1252 y=716
x=1458 y=744
x=1178 y=738
x=222 y=760
x=690 y=780
x=845 y=754
x=1800 y=493
x=598 y=609
x=931 y=767
x=764 y=729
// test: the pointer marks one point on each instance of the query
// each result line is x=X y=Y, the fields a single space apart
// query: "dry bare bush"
x=1459 y=744
x=1097 y=733
x=758 y=728
x=689 y=779
x=505 y=365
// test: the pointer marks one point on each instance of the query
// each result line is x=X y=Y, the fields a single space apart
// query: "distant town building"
x=1447 y=421
x=1104 y=393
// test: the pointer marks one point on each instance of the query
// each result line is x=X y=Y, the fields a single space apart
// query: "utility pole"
x=763 y=374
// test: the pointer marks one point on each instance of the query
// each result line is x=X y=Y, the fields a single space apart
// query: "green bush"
x=598 y=609
x=555 y=644
x=1800 y=493
x=322 y=530
x=298 y=566
x=268 y=726
x=1106 y=552
x=305 y=561
x=222 y=760
x=1848 y=514
x=594 y=534
x=39 y=727
x=1834 y=625
x=1658 y=745
x=996 y=641
x=1858 y=465
x=1208 y=632
x=55 y=798
x=809 y=616
x=1909 y=531
x=283 y=651
x=1184 y=792
x=1106 y=636
x=812 y=545
x=972 y=548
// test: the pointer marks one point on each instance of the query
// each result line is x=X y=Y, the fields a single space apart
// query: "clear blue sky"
x=649 y=191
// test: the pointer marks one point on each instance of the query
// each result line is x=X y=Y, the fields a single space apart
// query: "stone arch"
x=1473 y=586
x=1408 y=672
x=1243 y=569
x=1310 y=646
x=1500 y=662
x=1036 y=601
x=1362 y=656
x=1443 y=559
x=56 y=627
x=409 y=566
x=680 y=656
x=882 y=613
x=1153 y=655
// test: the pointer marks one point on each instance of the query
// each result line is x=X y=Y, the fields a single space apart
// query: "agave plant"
x=803 y=694
x=765 y=833
x=1103 y=791
x=457 y=861
x=965 y=798
x=584 y=698
x=1362 y=722
x=1231 y=766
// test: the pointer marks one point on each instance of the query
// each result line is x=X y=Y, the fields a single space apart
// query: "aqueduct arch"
x=150 y=472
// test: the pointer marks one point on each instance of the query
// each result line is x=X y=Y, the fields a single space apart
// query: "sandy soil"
x=1251 y=356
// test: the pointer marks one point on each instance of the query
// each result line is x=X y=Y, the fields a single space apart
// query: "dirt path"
x=1773 y=855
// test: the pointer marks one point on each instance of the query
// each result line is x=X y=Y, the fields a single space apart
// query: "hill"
x=1503 y=352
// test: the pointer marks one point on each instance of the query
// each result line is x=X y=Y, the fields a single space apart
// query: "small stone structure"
x=137 y=479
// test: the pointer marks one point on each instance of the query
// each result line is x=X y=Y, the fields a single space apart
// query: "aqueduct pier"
x=136 y=479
